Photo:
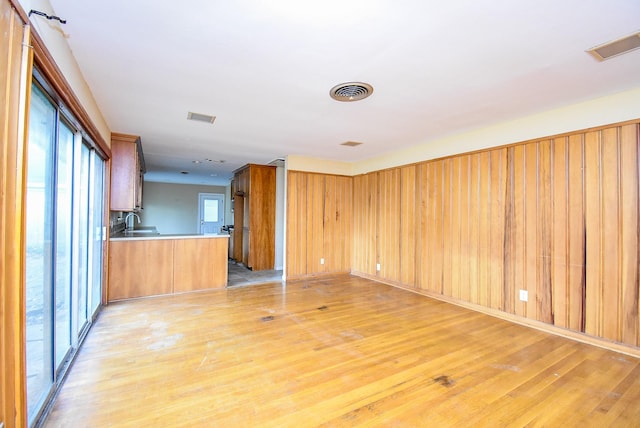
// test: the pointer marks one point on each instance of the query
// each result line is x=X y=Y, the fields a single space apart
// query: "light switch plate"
x=321 y=261
x=378 y=266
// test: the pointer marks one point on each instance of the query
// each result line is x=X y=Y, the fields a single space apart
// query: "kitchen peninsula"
x=155 y=264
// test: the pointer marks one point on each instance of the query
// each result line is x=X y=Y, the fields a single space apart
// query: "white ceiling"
x=265 y=70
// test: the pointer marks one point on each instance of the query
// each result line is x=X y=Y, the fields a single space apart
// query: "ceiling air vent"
x=200 y=117
x=351 y=91
x=616 y=47
x=350 y=143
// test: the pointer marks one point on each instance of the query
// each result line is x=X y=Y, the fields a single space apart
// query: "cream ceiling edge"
x=601 y=111
x=52 y=33
x=620 y=107
x=324 y=166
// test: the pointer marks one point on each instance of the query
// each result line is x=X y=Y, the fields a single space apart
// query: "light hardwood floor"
x=335 y=352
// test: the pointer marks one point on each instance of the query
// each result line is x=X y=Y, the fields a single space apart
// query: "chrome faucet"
x=126 y=220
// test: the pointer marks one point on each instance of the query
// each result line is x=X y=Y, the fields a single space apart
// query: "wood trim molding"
x=20 y=11
x=329 y=174
x=538 y=325
x=48 y=67
x=316 y=275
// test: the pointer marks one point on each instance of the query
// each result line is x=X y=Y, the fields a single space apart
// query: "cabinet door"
x=261 y=216
x=319 y=219
x=296 y=224
x=316 y=257
x=140 y=268
x=337 y=223
x=198 y=264
x=138 y=190
x=124 y=175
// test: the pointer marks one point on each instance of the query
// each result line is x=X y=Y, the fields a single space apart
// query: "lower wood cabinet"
x=140 y=268
x=150 y=267
x=198 y=264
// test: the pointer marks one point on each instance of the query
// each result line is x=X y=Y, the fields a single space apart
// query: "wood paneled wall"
x=14 y=61
x=365 y=226
x=557 y=218
x=319 y=214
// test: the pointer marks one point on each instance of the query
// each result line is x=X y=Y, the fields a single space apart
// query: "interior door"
x=211 y=213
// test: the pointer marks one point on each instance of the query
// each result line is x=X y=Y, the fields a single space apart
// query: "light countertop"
x=149 y=236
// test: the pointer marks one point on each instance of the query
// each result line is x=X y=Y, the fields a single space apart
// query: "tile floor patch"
x=239 y=275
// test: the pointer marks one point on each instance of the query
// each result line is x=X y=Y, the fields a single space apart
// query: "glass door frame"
x=88 y=194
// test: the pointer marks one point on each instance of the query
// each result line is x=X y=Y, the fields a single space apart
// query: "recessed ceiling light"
x=201 y=117
x=616 y=47
x=184 y=172
x=351 y=91
x=351 y=143
x=197 y=161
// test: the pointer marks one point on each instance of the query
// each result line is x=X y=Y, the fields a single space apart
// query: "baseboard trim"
x=538 y=325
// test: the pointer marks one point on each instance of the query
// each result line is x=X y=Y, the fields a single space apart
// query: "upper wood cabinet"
x=127 y=171
x=255 y=216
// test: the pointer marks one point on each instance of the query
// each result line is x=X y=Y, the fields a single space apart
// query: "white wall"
x=173 y=208
x=53 y=36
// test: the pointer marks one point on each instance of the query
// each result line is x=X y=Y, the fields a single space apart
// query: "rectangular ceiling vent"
x=200 y=117
x=616 y=47
x=350 y=143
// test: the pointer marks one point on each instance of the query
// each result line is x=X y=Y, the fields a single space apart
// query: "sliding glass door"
x=64 y=244
x=40 y=258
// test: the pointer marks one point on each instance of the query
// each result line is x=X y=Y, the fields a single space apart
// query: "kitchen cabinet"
x=140 y=268
x=319 y=212
x=255 y=216
x=152 y=266
x=198 y=264
x=127 y=172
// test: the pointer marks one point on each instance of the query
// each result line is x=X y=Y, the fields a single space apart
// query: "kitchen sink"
x=142 y=231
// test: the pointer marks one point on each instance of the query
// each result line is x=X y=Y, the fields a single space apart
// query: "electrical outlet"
x=524 y=296
x=378 y=266
x=321 y=261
